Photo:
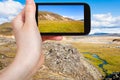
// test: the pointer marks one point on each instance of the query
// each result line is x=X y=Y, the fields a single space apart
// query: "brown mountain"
x=44 y=15
x=6 y=29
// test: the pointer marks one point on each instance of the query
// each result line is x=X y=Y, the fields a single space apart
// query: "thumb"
x=30 y=10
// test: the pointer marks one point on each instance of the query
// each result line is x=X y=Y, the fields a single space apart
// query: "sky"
x=105 y=14
x=74 y=12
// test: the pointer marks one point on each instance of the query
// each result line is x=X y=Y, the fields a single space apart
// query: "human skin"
x=29 y=55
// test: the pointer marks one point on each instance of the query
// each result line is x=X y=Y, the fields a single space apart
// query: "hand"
x=28 y=40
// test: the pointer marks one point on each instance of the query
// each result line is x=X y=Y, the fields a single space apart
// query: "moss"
x=106 y=52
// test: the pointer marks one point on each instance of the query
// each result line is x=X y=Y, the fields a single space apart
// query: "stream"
x=104 y=62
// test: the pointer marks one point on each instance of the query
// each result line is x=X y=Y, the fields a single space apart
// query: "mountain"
x=6 y=29
x=44 y=15
x=81 y=20
x=105 y=34
x=99 y=34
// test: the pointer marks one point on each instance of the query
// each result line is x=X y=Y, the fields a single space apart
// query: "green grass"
x=61 y=26
x=111 y=55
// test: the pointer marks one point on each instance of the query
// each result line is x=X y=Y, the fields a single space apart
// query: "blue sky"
x=105 y=14
x=74 y=12
x=97 y=6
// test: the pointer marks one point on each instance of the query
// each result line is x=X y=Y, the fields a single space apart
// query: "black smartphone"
x=63 y=18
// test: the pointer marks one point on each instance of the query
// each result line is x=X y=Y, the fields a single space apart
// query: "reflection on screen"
x=61 y=18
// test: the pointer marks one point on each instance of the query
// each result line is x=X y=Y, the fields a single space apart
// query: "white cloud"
x=105 y=23
x=74 y=17
x=105 y=30
x=105 y=20
x=9 y=9
x=2 y=20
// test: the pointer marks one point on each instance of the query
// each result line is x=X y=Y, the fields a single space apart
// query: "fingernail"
x=29 y=1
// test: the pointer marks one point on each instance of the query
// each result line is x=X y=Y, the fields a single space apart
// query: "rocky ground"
x=97 y=48
x=94 y=39
x=62 y=61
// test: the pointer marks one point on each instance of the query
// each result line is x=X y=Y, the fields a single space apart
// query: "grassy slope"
x=5 y=29
x=110 y=54
x=61 y=26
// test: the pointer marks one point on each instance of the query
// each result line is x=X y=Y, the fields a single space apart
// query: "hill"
x=44 y=15
x=6 y=29
x=55 y=23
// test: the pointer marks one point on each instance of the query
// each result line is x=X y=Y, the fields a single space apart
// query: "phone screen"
x=65 y=19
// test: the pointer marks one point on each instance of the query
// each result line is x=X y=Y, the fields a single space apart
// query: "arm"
x=28 y=39
x=28 y=42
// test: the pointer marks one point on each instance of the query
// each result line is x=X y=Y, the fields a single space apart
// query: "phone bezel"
x=87 y=18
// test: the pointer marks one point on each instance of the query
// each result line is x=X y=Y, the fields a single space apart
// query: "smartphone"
x=63 y=18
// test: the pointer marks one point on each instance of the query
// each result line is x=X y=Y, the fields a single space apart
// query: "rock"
x=65 y=59
x=62 y=62
x=116 y=40
x=6 y=40
x=114 y=76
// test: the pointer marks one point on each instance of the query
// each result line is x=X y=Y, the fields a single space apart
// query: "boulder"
x=66 y=60
x=62 y=61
